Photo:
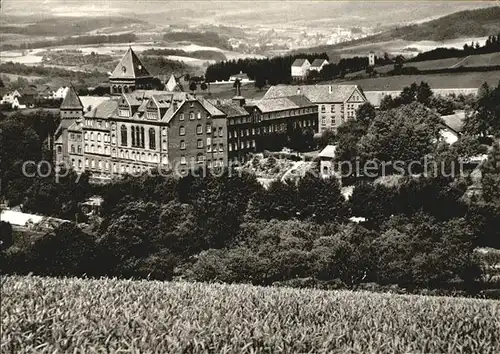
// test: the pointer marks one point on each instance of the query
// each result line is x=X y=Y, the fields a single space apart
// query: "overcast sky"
x=355 y=12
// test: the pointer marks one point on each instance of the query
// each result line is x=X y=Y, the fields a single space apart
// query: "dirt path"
x=459 y=63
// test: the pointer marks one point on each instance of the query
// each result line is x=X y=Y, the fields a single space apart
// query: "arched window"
x=86 y=147
x=199 y=129
x=150 y=158
x=182 y=130
x=91 y=136
x=155 y=158
x=92 y=148
x=98 y=136
x=59 y=149
x=133 y=155
x=79 y=149
x=152 y=139
x=133 y=135
x=183 y=145
x=72 y=149
x=124 y=135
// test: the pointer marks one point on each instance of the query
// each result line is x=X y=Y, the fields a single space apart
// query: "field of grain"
x=47 y=315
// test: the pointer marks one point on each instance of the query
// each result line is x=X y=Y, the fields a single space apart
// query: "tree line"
x=78 y=40
x=492 y=45
x=414 y=232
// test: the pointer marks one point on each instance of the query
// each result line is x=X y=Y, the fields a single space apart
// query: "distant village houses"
x=242 y=77
x=318 y=64
x=300 y=68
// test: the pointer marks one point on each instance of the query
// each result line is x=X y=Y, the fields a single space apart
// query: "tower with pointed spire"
x=130 y=75
x=71 y=111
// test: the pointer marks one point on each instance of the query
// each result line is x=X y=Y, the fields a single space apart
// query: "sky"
x=246 y=12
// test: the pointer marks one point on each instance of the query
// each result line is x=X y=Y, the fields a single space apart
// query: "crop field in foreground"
x=89 y=316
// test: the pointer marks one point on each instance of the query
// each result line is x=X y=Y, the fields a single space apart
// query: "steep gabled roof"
x=214 y=111
x=315 y=93
x=71 y=100
x=318 y=62
x=299 y=62
x=230 y=108
x=455 y=121
x=103 y=110
x=171 y=83
x=130 y=67
x=283 y=103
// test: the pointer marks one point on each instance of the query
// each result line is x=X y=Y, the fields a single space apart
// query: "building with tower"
x=371 y=59
x=68 y=146
x=138 y=129
x=130 y=75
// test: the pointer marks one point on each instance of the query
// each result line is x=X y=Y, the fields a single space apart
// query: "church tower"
x=130 y=75
x=71 y=111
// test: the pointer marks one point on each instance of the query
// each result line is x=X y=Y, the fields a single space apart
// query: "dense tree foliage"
x=484 y=119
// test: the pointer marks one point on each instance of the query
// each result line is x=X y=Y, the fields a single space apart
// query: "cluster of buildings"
x=301 y=67
x=27 y=97
x=137 y=128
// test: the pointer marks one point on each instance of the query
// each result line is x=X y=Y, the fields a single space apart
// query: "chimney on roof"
x=330 y=89
x=239 y=100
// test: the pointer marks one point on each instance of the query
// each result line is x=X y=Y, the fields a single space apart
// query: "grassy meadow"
x=47 y=315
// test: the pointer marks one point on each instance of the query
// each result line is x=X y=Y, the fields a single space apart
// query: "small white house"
x=241 y=76
x=327 y=162
x=318 y=64
x=18 y=103
x=61 y=92
x=300 y=68
x=11 y=97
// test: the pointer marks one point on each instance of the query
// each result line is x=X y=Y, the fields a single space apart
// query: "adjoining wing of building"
x=336 y=103
x=137 y=128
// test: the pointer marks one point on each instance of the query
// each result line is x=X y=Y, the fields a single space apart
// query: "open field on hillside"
x=248 y=90
x=70 y=315
x=473 y=60
x=455 y=80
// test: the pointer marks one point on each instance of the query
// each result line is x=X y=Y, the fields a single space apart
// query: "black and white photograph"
x=266 y=176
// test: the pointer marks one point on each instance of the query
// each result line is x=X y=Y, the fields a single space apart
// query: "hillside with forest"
x=464 y=24
x=69 y=26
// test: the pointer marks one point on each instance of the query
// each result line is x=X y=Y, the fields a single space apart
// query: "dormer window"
x=152 y=115
x=123 y=112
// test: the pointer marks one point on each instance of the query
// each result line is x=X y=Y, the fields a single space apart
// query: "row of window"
x=243 y=144
x=136 y=156
x=200 y=158
x=99 y=149
x=191 y=115
x=74 y=150
x=323 y=108
x=98 y=137
x=199 y=130
x=96 y=123
x=137 y=137
x=76 y=164
x=75 y=137
x=99 y=164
